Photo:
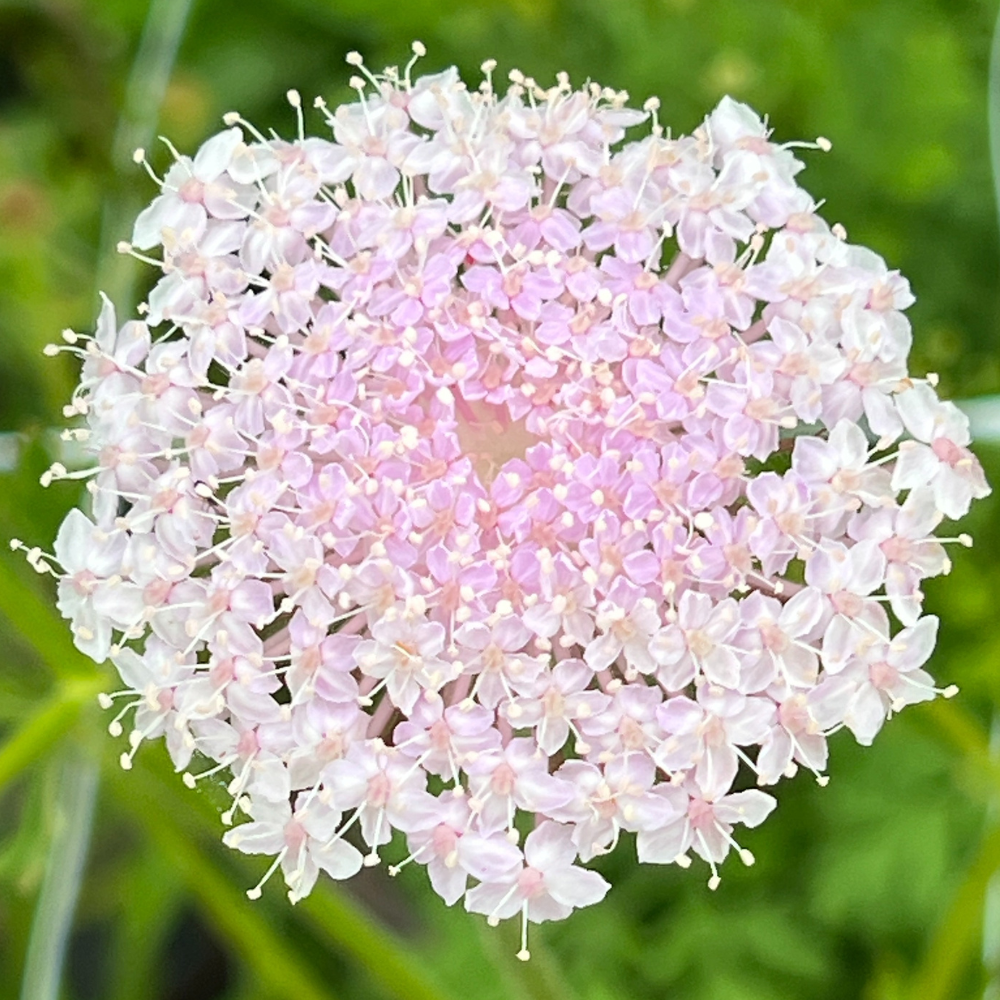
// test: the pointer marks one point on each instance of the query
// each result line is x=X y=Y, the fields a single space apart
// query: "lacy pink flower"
x=475 y=470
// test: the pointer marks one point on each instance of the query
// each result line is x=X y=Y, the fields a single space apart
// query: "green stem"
x=64 y=868
x=44 y=728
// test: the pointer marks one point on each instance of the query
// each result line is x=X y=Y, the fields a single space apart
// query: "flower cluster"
x=473 y=470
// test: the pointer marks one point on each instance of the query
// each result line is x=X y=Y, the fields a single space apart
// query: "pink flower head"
x=468 y=464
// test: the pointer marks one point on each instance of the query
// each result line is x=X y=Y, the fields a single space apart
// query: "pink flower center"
x=793 y=714
x=192 y=191
x=531 y=882
x=701 y=813
x=897 y=549
x=379 y=791
x=774 y=638
x=947 y=451
x=444 y=841
x=883 y=675
x=502 y=782
x=295 y=835
x=84 y=582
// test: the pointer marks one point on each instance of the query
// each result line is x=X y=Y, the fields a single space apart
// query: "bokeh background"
x=881 y=886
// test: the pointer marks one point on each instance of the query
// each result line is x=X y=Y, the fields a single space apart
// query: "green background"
x=875 y=887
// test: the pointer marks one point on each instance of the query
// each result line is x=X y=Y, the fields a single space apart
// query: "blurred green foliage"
x=872 y=888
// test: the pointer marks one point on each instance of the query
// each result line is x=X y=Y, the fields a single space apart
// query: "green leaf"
x=390 y=963
x=154 y=900
x=947 y=958
x=38 y=623
x=276 y=963
x=56 y=904
x=44 y=728
x=160 y=801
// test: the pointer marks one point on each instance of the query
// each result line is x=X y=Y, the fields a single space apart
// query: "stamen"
x=257 y=890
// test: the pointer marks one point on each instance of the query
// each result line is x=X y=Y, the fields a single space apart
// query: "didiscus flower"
x=474 y=469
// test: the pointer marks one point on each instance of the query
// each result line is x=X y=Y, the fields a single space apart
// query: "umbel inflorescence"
x=473 y=470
